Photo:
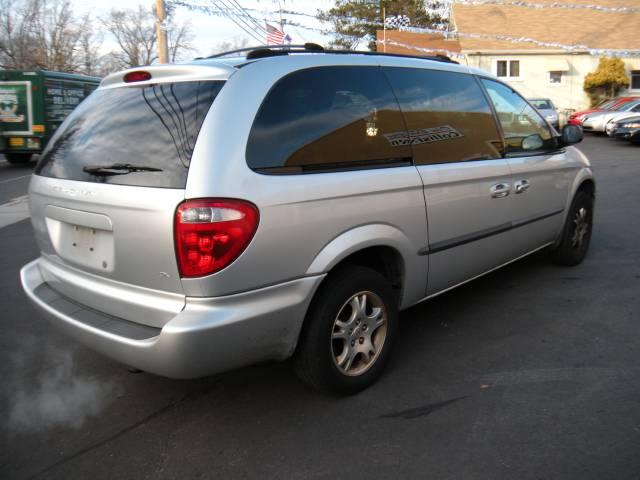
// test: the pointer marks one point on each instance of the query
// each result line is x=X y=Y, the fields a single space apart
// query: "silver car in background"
x=548 y=110
x=616 y=120
x=289 y=203
x=598 y=121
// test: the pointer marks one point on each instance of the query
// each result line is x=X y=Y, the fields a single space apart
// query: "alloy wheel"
x=359 y=333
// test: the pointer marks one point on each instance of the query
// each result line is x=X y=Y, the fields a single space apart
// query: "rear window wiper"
x=118 y=169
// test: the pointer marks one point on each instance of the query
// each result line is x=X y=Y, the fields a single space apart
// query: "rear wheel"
x=18 y=158
x=348 y=332
x=576 y=234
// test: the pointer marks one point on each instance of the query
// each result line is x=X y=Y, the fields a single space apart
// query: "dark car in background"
x=628 y=129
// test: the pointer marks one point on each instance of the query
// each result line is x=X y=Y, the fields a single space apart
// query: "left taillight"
x=210 y=234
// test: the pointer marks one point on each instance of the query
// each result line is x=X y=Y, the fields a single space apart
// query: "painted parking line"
x=14 y=178
x=14 y=211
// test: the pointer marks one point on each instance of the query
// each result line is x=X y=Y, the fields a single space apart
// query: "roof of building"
x=585 y=27
x=411 y=43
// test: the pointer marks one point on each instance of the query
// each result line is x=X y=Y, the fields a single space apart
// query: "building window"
x=514 y=68
x=555 y=77
x=635 y=79
x=508 y=68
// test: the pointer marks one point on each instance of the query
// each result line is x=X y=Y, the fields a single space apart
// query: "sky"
x=209 y=31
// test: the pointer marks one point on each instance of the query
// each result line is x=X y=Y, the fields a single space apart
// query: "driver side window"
x=524 y=129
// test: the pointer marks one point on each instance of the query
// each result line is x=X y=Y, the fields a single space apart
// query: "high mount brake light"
x=210 y=234
x=137 y=76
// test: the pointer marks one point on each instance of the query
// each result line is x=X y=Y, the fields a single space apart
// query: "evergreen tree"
x=354 y=21
x=607 y=80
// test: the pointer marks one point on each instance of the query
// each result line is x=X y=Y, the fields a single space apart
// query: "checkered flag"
x=396 y=21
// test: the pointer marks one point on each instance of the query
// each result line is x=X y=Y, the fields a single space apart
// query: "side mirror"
x=571 y=134
x=532 y=142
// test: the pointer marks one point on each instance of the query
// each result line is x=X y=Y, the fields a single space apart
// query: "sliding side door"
x=467 y=184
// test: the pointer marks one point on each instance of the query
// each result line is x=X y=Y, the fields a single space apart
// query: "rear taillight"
x=211 y=234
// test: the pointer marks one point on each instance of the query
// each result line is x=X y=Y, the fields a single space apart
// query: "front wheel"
x=576 y=234
x=348 y=332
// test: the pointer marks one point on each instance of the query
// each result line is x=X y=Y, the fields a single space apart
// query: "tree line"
x=47 y=34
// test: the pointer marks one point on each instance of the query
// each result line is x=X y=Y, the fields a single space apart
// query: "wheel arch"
x=382 y=248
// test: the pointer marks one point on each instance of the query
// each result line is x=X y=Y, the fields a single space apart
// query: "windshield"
x=541 y=104
x=628 y=106
x=620 y=106
x=152 y=130
x=606 y=104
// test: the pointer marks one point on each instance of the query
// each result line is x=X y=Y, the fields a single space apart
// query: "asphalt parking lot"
x=532 y=372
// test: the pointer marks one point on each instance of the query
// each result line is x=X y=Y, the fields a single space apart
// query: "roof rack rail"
x=280 y=50
x=276 y=49
x=436 y=58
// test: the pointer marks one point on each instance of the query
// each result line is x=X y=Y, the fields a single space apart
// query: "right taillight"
x=211 y=234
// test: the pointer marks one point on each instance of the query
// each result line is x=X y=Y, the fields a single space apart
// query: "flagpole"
x=384 y=30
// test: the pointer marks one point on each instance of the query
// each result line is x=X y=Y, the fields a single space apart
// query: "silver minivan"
x=289 y=202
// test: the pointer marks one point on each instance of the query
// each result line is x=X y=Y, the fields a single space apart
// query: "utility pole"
x=163 y=51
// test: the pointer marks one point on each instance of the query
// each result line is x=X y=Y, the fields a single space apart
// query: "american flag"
x=274 y=36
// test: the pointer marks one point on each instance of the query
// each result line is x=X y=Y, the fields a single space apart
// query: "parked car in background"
x=576 y=118
x=596 y=122
x=628 y=129
x=195 y=218
x=548 y=110
x=33 y=103
x=614 y=122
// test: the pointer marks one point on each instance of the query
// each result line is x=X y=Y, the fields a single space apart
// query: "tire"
x=338 y=364
x=574 y=244
x=18 y=158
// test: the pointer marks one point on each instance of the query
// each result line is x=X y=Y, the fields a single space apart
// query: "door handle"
x=500 y=190
x=522 y=186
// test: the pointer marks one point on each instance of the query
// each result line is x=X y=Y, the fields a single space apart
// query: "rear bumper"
x=208 y=336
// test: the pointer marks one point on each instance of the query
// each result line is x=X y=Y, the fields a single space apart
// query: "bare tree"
x=44 y=34
x=89 y=49
x=180 y=37
x=236 y=43
x=107 y=64
x=135 y=33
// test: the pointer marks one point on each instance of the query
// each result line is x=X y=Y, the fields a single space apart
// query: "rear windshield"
x=153 y=127
x=541 y=104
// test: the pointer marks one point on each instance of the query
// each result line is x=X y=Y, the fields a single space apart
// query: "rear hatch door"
x=106 y=189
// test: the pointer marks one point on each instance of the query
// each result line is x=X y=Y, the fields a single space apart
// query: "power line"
x=248 y=31
x=216 y=10
x=246 y=13
x=243 y=16
x=506 y=38
x=231 y=10
x=539 y=43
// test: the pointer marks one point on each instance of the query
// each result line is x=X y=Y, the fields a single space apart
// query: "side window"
x=447 y=115
x=327 y=118
x=524 y=129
